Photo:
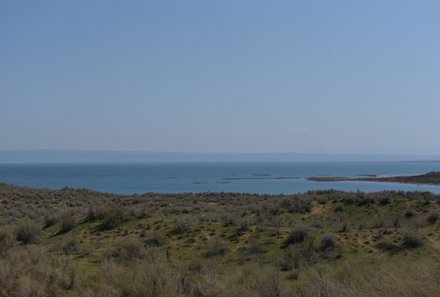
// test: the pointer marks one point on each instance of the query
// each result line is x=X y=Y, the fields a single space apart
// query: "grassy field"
x=82 y=243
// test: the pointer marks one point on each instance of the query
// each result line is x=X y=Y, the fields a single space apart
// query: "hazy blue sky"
x=221 y=76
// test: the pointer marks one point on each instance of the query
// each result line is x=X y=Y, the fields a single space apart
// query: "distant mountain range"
x=102 y=156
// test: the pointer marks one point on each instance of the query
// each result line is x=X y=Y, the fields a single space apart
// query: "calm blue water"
x=270 y=178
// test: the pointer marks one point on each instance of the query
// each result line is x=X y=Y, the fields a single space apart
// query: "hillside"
x=76 y=242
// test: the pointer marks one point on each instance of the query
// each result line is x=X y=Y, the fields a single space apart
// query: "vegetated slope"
x=430 y=178
x=82 y=243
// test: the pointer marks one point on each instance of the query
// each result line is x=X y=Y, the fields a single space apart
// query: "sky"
x=221 y=76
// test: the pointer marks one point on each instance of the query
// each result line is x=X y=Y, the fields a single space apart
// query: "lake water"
x=268 y=178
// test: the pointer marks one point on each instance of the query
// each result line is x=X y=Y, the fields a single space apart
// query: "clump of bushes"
x=432 y=218
x=6 y=241
x=409 y=213
x=328 y=242
x=27 y=231
x=127 y=251
x=384 y=201
x=68 y=222
x=299 y=255
x=50 y=220
x=339 y=208
x=386 y=244
x=69 y=246
x=180 y=226
x=216 y=247
x=154 y=239
x=254 y=247
x=412 y=240
x=111 y=216
x=297 y=205
x=297 y=235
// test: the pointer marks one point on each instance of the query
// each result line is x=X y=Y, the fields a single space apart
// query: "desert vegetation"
x=76 y=242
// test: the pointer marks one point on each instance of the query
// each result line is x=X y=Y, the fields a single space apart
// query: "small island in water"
x=430 y=178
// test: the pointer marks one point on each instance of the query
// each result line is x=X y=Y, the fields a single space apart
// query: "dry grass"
x=327 y=243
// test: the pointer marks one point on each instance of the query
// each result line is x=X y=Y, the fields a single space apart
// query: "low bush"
x=387 y=244
x=216 y=247
x=50 y=220
x=154 y=239
x=27 y=231
x=328 y=242
x=70 y=246
x=6 y=241
x=299 y=255
x=180 y=226
x=111 y=216
x=297 y=235
x=68 y=222
x=432 y=218
x=297 y=205
x=384 y=201
x=409 y=213
x=127 y=250
x=412 y=240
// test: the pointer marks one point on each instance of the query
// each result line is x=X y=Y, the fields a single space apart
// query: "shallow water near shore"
x=262 y=178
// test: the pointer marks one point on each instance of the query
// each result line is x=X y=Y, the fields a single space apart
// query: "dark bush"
x=111 y=216
x=68 y=222
x=92 y=214
x=297 y=205
x=412 y=240
x=50 y=220
x=180 y=227
x=6 y=241
x=27 y=231
x=386 y=244
x=328 y=242
x=409 y=213
x=299 y=255
x=432 y=218
x=339 y=208
x=154 y=239
x=71 y=245
x=297 y=235
x=362 y=201
x=127 y=250
x=216 y=248
x=384 y=201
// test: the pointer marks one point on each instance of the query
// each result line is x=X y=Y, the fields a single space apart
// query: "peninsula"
x=430 y=178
